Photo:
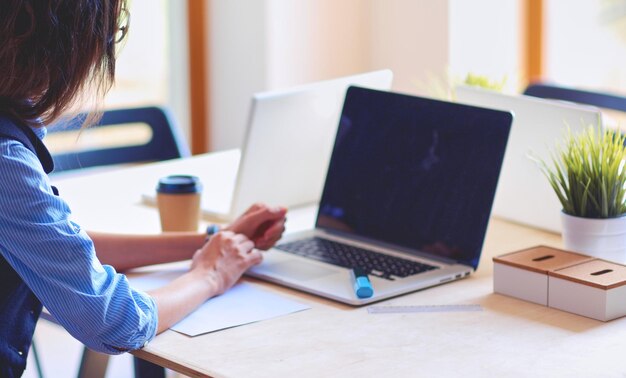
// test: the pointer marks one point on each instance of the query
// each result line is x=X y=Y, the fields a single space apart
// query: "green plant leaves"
x=588 y=173
x=484 y=82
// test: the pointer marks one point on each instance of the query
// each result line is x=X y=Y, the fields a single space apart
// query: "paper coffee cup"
x=178 y=199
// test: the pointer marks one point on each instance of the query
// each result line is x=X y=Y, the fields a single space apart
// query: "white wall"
x=411 y=38
x=312 y=40
x=178 y=85
x=238 y=60
x=260 y=45
x=485 y=39
x=588 y=47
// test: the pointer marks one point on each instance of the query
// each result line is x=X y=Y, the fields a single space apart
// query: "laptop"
x=286 y=148
x=524 y=194
x=407 y=198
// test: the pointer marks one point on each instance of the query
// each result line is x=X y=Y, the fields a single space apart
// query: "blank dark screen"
x=414 y=172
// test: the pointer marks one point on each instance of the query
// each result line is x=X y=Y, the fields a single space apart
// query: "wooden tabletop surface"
x=509 y=337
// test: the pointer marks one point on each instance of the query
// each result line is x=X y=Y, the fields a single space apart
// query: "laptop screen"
x=414 y=172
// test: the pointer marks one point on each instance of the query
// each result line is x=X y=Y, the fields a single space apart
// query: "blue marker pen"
x=362 y=285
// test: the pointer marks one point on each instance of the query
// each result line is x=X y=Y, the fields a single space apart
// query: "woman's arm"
x=261 y=224
x=216 y=267
x=125 y=252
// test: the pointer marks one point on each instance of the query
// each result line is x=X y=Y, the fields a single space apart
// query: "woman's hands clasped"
x=262 y=224
x=232 y=251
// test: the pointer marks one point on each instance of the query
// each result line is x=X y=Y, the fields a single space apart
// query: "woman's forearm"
x=125 y=252
x=180 y=297
x=216 y=267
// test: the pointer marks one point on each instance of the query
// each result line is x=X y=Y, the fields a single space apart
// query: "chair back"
x=122 y=136
x=601 y=100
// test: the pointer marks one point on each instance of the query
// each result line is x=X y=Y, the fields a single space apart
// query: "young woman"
x=50 y=53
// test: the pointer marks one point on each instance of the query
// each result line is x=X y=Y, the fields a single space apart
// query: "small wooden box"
x=524 y=274
x=595 y=289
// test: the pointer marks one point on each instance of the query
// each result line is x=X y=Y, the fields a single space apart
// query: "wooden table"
x=509 y=337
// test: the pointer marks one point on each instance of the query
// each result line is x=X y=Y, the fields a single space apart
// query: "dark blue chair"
x=163 y=140
x=599 y=99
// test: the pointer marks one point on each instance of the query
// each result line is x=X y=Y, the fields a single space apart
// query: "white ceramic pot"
x=601 y=238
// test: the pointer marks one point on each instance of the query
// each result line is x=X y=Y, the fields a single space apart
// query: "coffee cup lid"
x=176 y=184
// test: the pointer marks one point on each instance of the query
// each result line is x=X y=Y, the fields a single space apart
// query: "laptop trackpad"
x=300 y=270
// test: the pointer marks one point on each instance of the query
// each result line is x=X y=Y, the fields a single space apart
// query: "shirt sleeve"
x=57 y=260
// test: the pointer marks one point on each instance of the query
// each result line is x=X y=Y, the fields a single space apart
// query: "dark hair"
x=51 y=51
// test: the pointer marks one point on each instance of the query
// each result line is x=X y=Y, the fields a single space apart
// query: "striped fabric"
x=57 y=260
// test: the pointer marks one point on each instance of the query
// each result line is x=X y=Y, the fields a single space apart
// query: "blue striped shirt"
x=57 y=260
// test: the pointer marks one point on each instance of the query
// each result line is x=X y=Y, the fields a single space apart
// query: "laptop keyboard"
x=348 y=256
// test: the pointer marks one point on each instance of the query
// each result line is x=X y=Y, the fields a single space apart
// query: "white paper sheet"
x=242 y=304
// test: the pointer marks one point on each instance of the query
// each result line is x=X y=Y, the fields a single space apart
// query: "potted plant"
x=588 y=175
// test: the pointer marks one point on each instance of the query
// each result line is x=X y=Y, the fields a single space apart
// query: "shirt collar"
x=40 y=132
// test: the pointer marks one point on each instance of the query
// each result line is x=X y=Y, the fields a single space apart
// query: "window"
x=585 y=43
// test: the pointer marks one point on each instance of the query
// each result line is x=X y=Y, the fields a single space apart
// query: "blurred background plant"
x=485 y=82
x=443 y=87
